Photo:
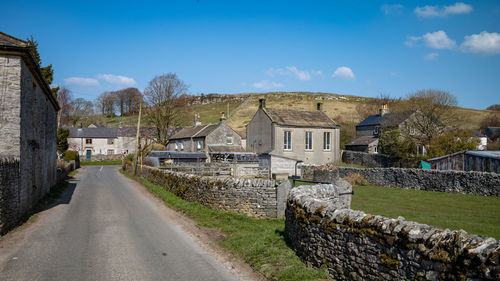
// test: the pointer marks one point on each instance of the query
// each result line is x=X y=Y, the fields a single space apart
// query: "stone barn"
x=28 y=132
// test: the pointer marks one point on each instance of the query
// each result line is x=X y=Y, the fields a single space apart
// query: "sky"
x=363 y=48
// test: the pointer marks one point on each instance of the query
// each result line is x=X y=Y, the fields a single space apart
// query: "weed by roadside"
x=260 y=242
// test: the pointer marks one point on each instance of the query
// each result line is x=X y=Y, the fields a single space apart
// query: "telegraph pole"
x=138 y=138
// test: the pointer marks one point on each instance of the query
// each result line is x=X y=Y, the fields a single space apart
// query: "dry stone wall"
x=254 y=197
x=464 y=182
x=9 y=184
x=353 y=245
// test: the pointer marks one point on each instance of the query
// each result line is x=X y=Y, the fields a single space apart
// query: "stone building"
x=100 y=142
x=310 y=137
x=210 y=139
x=28 y=132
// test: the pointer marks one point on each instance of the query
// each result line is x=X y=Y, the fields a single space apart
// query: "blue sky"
x=364 y=48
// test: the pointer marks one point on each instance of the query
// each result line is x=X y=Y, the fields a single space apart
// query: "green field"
x=472 y=213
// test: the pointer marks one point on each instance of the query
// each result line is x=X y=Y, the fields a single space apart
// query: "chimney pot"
x=384 y=110
x=222 y=116
x=262 y=103
x=319 y=106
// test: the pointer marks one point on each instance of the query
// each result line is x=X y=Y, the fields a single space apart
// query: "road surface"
x=105 y=228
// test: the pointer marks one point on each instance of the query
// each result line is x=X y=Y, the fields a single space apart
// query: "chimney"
x=319 y=106
x=262 y=103
x=222 y=116
x=197 y=121
x=384 y=110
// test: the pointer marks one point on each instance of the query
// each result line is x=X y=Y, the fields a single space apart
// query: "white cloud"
x=457 y=8
x=435 y=40
x=431 y=56
x=267 y=85
x=82 y=82
x=343 y=72
x=293 y=71
x=117 y=80
x=391 y=9
x=436 y=11
x=483 y=43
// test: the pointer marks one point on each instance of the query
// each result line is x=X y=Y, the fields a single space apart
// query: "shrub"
x=70 y=155
x=356 y=179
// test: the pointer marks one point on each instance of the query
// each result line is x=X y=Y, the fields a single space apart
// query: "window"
x=309 y=140
x=176 y=146
x=88 y=141
x=375 y=132
x=412 y=130
x=110 y=152
x=182 y=146
x=199 y=145
x=111 y=141
x=229 y=139
x=287 y=140
x=327 y=140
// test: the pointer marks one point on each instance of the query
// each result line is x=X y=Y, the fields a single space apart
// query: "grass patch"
x=260 y=242
x=299 y=183
x=101 y=163
x=472 y=213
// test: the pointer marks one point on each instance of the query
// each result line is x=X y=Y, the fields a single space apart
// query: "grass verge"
x=100 y=163
x=260 y=242
x=340 y=164
x=472 y=213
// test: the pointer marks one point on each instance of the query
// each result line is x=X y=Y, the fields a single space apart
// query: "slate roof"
x=362 y=141
x=7 y=40
x=313 y=119
x=99 y=132
x=132 y=131
x=195 y=132
x=387 y=120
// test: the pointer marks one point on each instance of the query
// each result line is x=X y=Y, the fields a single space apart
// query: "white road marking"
x=101 y=168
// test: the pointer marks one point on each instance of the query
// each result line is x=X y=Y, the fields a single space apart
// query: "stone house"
x=28 y=132
x=102 y=142
x=310 y=137
x=371 y=128
x=210 y=139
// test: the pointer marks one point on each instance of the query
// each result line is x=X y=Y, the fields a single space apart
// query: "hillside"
x=341 y=108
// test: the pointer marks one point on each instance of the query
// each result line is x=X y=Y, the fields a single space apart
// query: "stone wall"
x=376 y=160
x=479 y=183
x=254 y=197
x=9 y=183
x=353 y=245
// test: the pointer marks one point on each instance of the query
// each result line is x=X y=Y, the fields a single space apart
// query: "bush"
x=356 y=179
x=70 y=155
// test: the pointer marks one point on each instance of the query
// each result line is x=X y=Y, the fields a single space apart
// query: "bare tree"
x=127 y=100
x=164 y=109
x=81 y=108
x=64 y=99
x=433 y=112
x=106 y=104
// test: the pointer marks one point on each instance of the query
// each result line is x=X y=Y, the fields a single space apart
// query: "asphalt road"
x=106 y=229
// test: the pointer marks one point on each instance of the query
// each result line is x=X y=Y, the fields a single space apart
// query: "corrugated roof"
x=363 y=141
x=489 y=154
x=298 y=118
x=166 y=154
x=195 y=132
x=99 y=132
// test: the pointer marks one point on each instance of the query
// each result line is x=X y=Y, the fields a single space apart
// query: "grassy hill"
x=341 y=108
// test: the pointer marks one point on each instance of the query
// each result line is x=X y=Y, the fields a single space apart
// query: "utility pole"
x=138 y=140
